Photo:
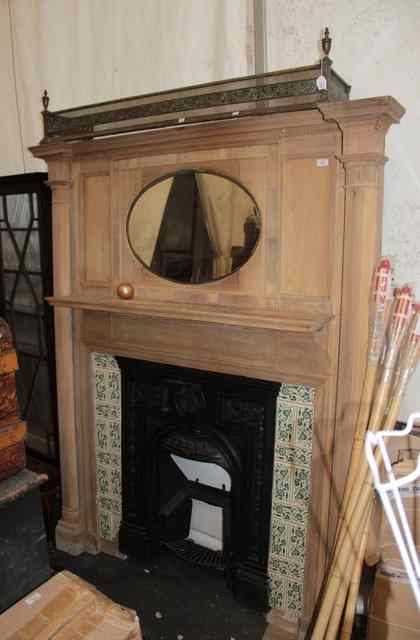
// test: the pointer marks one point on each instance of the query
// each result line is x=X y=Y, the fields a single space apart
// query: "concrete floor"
x=175 y=600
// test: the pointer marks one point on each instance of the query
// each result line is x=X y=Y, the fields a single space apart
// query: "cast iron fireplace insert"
x=210 y=417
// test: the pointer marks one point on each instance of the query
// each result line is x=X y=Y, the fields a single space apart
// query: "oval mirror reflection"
x=193 y=226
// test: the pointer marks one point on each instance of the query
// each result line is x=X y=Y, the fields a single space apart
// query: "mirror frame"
x=173 y=174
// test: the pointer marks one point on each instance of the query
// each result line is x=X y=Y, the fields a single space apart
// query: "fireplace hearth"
x=209 y=417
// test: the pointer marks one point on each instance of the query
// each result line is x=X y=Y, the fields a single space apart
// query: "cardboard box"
x=393 y=614
x=68 y=608
x=410 y=497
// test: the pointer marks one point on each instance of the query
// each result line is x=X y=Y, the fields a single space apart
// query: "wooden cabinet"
x=25 y=278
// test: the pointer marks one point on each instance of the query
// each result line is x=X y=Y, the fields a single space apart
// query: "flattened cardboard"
x=68 y=608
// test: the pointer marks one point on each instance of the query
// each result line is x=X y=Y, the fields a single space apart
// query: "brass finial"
x=45 y=100
x=326 y=42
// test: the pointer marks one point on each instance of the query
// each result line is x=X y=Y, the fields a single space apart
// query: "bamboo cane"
x=352 y=539
x=382 y=307
x=349 y=586
x=409 y=360
x=350 y=610
x=355 y=517
x=381 y=298
x=408 y=363
x=373 y=555
x=401 y=316
x=412 y=337
x=341 y=569
x=351 y=562
x=402 y=311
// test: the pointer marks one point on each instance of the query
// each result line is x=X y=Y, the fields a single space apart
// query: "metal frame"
x=287 y=90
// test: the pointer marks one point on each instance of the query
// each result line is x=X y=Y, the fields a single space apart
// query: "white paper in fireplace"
x=206 y=526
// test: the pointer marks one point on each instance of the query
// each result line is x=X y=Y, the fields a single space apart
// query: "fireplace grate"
x=228 y=421
x=192 y=552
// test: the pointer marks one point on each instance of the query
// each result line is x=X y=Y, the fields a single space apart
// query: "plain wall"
x=86 y=51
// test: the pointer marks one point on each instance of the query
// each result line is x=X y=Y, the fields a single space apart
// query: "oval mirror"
x=193 y=226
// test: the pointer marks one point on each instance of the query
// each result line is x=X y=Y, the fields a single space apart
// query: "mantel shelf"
x=262 y=319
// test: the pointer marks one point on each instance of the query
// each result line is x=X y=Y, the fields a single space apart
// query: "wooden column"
x=69 y=532
x=363 y=125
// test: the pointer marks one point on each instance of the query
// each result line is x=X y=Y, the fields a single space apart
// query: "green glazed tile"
x=281 y=484
x=277 y=592
x=101 y=435
x=104 y=361
x=301 y=481
x=105 y=525
x=115 y=482
x=103 y=459
x=102 y=480
x=115 y=435
x=294 y=597
x=291 y=478
x=297 y=536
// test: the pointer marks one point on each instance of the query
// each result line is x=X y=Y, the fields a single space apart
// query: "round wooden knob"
x=125 y=291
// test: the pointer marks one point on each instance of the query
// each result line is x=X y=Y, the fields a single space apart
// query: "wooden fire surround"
x=296 y=312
